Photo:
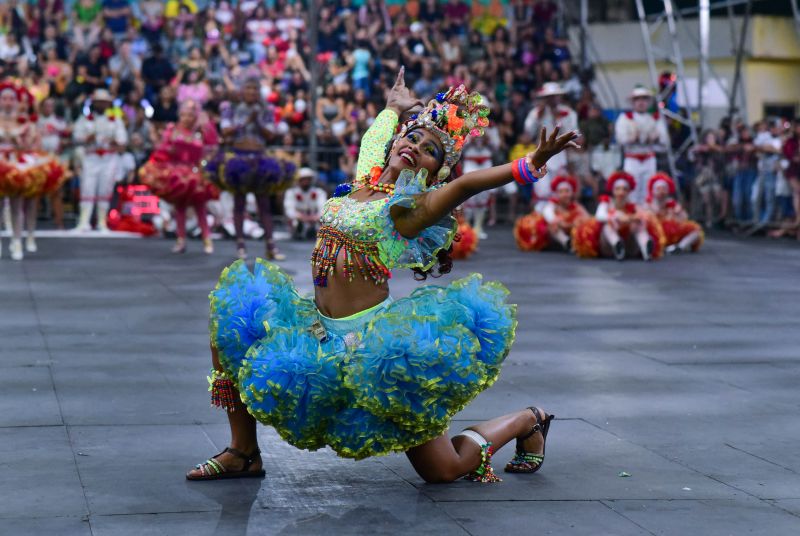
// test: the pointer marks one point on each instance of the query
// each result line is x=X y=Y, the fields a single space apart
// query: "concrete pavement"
x=683 y=374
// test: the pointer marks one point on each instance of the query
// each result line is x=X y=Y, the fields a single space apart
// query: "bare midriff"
x=342 y=297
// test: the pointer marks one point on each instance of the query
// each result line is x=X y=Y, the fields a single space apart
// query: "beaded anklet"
x=223 y=390
x=484 y=472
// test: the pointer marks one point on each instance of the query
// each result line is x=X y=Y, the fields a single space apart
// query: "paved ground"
x=683 y=374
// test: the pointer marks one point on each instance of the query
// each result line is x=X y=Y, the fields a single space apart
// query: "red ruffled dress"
x=176 y=170
x=586 y=234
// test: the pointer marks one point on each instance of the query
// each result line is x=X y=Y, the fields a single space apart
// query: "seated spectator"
x=302 y=206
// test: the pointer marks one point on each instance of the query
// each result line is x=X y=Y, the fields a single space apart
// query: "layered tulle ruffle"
x=389 y=384
x=530 y=232
x=675 y=231
x=179 y=184
x=30 y=175
x=586 y=237
x=250 y=171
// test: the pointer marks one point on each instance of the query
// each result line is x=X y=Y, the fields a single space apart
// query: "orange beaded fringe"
x=360 y=255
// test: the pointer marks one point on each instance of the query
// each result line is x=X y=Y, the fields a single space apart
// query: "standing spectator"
x=116 y=14
x=427 y=85
x=87 y=23
x=642 y=134
x=710 y=163
x=157 y=71
x=768 y=147
x=361 y=60
x=791 y=151
x=549 y=113
x=102 y=135
x=125 y=69
x=165 y=109
x=745 y=160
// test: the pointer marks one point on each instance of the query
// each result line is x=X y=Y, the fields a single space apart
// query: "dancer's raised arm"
x=434 y=205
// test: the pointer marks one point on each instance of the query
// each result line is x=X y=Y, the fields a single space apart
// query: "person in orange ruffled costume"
x=176 y=171
x=466 y=241
x=26 y=173
x=619 y=229
x=681 y=233
x=554 y=225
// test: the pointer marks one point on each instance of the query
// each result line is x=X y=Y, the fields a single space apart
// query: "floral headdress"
x=454 y=115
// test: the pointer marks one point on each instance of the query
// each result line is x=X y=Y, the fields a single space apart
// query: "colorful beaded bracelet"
x=523 y=174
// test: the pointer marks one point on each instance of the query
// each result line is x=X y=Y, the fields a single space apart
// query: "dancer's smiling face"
x=8 y=100
x=621 y=191
x=564 y=194
x=660 y=190
x=418 y=149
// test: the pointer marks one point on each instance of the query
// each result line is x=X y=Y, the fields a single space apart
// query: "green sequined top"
x=366 y=231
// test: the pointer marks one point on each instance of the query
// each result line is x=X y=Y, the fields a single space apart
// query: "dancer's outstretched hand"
x=400 y=98
x=550 y=146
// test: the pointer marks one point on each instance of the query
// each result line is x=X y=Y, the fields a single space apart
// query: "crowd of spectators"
x=747 y=177
x=152 y=55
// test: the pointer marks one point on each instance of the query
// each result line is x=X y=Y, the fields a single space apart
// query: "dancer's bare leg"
x=688 y=241
x=445 y=460
x=243 y=432
x=31 y=213
x=643 y=241
x=611 y=243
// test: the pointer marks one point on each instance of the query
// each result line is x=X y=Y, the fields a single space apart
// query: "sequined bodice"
x=366 y=233
x=361 y=220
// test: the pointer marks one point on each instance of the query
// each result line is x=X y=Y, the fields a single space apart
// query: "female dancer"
x=247 y=168
x=25 y=173
x=619 y=229
x=560 y=215
x=175 y=171
x=681 y=234
x=352 y=368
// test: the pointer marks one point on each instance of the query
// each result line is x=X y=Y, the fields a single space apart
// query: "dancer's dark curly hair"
x=444 y=258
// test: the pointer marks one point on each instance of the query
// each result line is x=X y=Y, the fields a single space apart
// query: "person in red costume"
x=681 y=234
x=175 y=171
x=554 y=225
x=620 y=229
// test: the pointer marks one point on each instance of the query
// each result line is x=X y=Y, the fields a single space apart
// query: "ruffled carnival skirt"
x=31 y=175
x=384 y=380
x=675 y=231
x=586 y=237
x=242 y=172
x=531 y=233
x=178 y=184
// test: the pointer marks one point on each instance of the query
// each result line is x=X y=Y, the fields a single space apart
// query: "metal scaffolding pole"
x=675 y=58
x=704 y=20
x=796 y=12
x=737 y=73
x=313 y=34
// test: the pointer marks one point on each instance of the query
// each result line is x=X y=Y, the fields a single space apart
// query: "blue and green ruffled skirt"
x=384 y=380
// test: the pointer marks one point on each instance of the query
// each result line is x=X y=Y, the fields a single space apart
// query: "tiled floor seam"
x=626 y=518
x=58 y=399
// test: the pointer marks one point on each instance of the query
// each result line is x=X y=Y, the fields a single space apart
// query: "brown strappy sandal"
x=528 y=462
x=212 y=469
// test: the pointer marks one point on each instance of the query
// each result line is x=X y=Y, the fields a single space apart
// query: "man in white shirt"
x=102 y=136
x=303 y=205
x=769 y=146
x=549 y=113
x=642 y=134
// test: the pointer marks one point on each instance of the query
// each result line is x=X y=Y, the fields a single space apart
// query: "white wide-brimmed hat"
x=640 y=91
x=102 y=95
x=306 y=172
x=550 y=89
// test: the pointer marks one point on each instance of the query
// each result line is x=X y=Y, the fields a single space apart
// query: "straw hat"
x=102 y=95
x=550 y=89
